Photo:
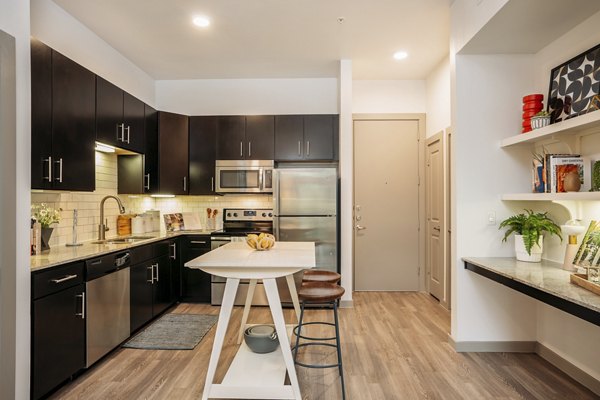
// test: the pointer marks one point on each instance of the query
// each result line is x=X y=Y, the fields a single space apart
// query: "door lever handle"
x=360 y=228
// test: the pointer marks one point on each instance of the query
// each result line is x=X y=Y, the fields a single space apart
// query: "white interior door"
x=386 y=195
x=434 y=203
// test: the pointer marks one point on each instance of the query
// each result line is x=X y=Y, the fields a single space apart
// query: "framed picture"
x=575 y=86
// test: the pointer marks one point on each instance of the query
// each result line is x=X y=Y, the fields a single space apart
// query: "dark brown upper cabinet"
x=203 y=138
x=260 y=137
x=245 y=138
x=119 y=117
x=173 y=153
x=63 y=120
x=306 y=137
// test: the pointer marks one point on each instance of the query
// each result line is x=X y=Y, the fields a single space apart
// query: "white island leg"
x=247 y=305
x=224 y=315
x=294 y=295
x=277 y=313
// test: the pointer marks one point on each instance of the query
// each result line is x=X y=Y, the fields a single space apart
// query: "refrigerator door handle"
x=276 y=227
x=276 y=197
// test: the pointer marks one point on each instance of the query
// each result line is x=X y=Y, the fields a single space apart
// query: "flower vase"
x=45 y=237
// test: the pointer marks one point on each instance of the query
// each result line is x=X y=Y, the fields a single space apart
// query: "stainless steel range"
x=237 y=223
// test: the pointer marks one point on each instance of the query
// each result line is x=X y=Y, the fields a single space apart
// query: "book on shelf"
x=560 y=167
x=588 y=254
x=552 y=175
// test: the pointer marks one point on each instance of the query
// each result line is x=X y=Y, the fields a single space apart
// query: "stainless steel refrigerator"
x=305 y=202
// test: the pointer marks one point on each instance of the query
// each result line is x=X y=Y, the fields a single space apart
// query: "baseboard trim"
x=346 y=303
x=559 y=362
x=494 y=347
x=568 y=368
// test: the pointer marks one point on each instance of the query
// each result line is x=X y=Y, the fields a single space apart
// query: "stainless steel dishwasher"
x=107 y=304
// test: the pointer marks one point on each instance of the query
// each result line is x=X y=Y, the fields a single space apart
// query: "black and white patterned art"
x=573 y=84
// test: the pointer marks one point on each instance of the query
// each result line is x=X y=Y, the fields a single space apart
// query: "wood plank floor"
x=394 y=347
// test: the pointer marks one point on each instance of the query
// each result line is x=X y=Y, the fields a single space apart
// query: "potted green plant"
x=540 y=120
x=528 y=229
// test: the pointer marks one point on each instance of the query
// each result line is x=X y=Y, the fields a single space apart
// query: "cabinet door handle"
x=249 y=149
x=174 y=254
x=299 y=148
x=151 y=268
x=307 y=148
x=147 y=181
x=63 y=279
x=212 y=183
x=121 y=134
x=49 y=160
x=198 y=241
x=156 y=267
x=82 y=313
x=241 y=149
x=128 y=131
x=60 y=170
x=185 y=183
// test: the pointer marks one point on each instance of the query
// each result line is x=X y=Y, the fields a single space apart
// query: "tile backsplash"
x=88 y=204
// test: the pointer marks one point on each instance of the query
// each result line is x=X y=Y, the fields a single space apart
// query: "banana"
x=264 y=241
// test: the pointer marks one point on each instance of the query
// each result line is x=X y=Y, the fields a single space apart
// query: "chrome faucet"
x=102 y=228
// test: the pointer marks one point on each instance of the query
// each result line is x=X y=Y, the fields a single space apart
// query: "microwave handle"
x=261 y=172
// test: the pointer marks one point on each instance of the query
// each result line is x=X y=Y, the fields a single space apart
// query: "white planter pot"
x=536 y=250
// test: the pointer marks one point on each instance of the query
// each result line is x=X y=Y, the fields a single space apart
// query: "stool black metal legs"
x=319 y=341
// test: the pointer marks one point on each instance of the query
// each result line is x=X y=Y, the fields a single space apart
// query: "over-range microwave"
x=244 y=176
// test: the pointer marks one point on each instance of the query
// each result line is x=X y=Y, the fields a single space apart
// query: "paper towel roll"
x=138 y=226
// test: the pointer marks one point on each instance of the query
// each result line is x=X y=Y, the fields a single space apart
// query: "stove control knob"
x=264 y=214
x=235 y=214
x=270 y=214
x=229 y=214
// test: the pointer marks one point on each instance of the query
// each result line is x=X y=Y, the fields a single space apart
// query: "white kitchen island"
x=251 y=375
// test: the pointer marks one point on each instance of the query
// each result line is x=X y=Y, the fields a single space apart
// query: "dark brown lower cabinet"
x=58 y=339
x=195 y=284
x=150 y=290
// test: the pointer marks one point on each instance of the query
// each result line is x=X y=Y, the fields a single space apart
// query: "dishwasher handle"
x=122 y=260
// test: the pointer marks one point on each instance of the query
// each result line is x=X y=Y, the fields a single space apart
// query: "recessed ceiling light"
x=400 y=55
x=200 y=21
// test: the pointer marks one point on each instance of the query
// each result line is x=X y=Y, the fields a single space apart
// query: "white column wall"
x=64 y=33
x=15 y=150
x=347 y=179
x=488 y=93
x=248 y=96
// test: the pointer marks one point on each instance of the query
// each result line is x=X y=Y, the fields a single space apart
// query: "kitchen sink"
x=122 y=240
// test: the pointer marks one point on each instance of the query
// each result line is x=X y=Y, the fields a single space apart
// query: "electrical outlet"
x=491 y=218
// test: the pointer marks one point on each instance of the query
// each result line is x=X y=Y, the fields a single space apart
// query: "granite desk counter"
x=545 y=281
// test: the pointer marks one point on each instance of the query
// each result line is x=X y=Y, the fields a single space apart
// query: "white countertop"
x=61 y=254
x=239 y=260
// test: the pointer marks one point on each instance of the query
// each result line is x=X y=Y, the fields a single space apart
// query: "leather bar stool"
x=320 y=275
x=321 y=293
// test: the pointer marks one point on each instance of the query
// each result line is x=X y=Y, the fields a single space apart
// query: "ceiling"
x=272 y=38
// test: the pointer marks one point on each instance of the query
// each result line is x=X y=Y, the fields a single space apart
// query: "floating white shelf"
x=581 y=125
x=570 y=196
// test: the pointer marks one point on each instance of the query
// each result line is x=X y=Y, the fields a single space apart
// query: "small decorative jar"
x=541 y=121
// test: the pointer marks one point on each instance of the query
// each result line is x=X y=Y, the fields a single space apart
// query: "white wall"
x=438 y=98
x=386 y=96
x=486 y=96
x=61 y=31
x=15 y=119
x=346 y=179
x=488 y=92
x=248 y=96
x=468 y=17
